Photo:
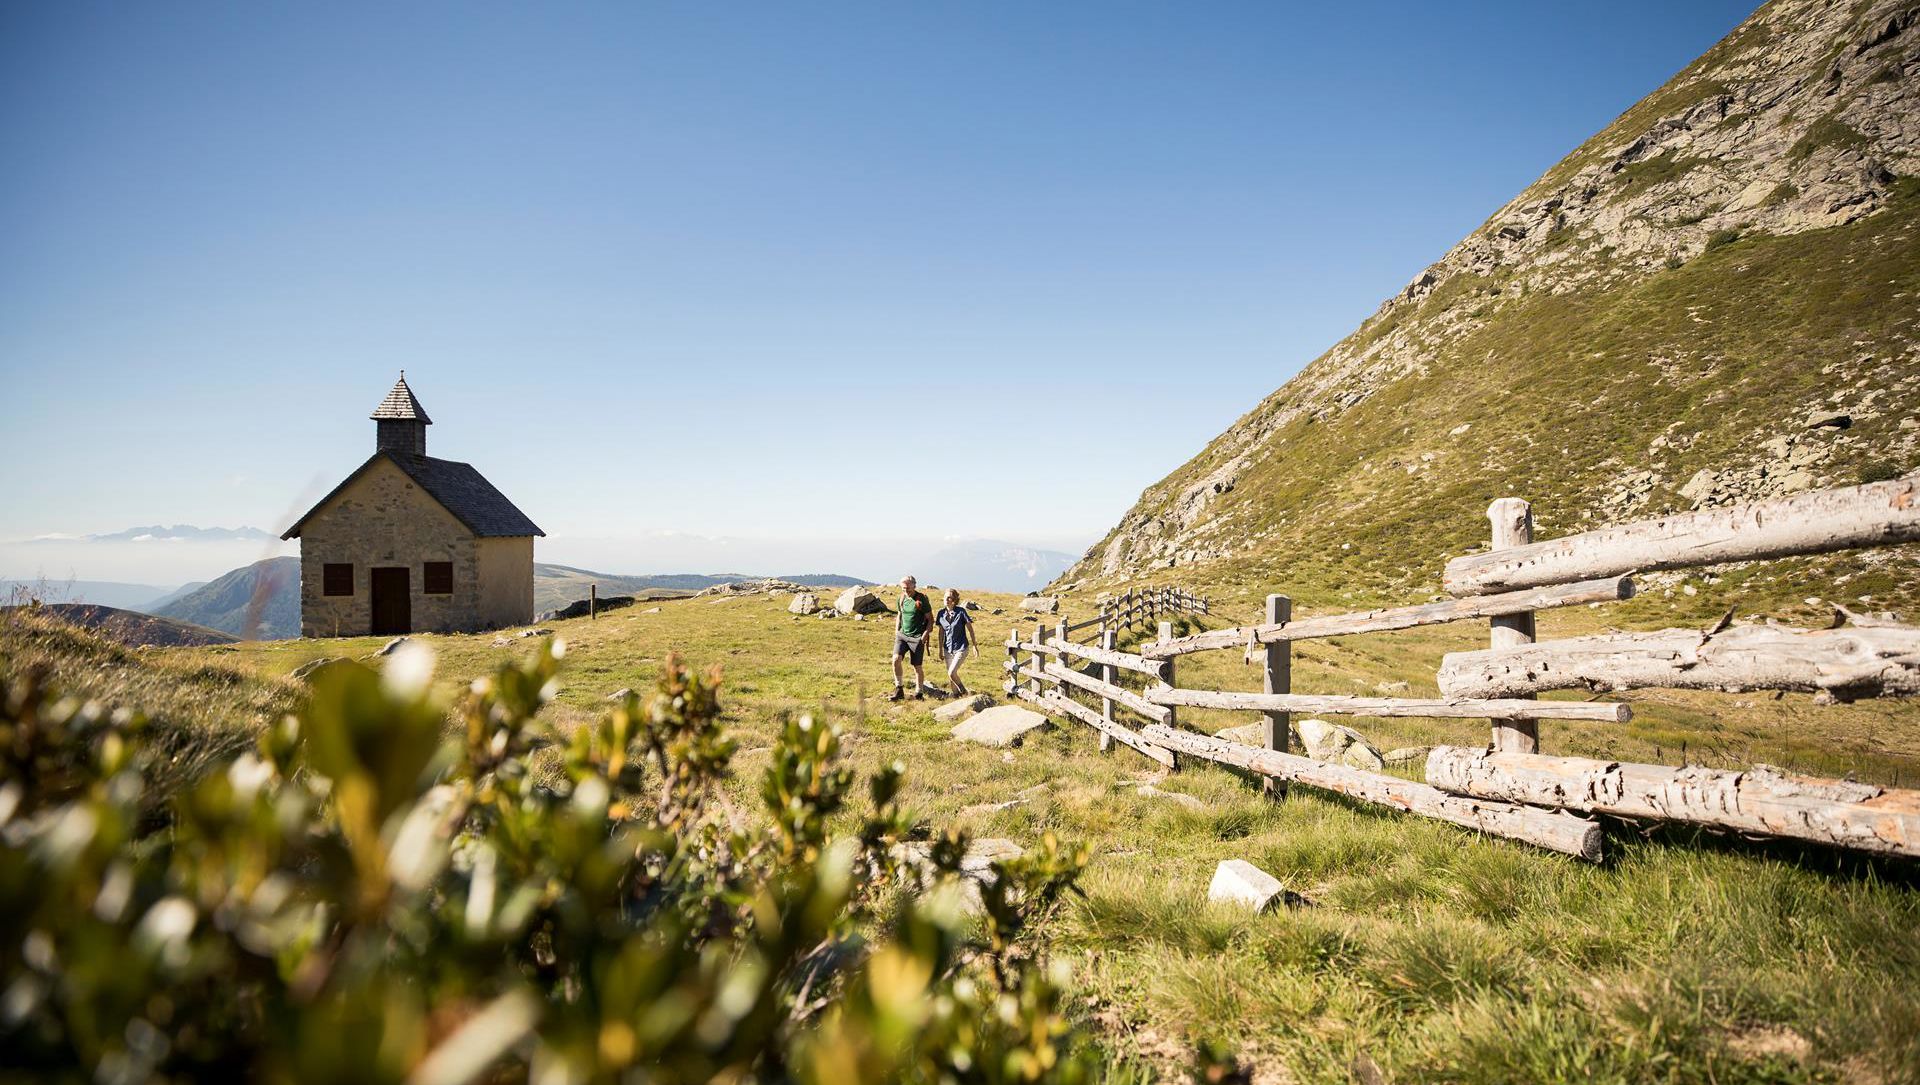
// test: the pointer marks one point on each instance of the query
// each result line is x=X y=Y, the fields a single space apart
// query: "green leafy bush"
x=374 y=896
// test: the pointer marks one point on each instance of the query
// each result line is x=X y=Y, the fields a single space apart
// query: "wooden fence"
x=1510 y=787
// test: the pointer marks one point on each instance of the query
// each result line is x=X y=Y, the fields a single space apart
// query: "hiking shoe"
x=898 y=694
x=919 y=694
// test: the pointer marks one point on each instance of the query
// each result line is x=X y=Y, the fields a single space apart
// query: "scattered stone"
x=827 y=614
x=1247 y=734
x=651 y=610
x=525 y=633
x=1187 y=801
x=1833 y=419
x=996 y=610
x=860 y=601
x=1001 y=725
x=1700 y=486
x=620 y=694
x=391 y=646
x=1406 y=755
x=1460 y=429
x=752 y=587
x=955 y=709
x=1044 y=604
x=502 y=642
x=804 y=603
x=1338 y=743
x=301 y=672
x=859 y=617
x=971 y=605
x=1237 y=881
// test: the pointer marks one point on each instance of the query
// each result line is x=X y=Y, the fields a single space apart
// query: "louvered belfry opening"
x=400 y=423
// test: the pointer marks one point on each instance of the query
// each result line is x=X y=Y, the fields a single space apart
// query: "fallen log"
x=1116 y=694
x=1545 y=828
x=1055 y=701
x=1761 y=800
x=1840 y=664
x=1876 y=514
x=1605 y=590
x=1336 y=705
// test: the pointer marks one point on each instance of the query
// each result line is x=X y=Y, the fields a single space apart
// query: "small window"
x=439 y=578
x=336 y=578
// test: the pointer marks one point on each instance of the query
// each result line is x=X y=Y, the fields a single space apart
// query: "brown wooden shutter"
x=336 y=578
x=439 y=578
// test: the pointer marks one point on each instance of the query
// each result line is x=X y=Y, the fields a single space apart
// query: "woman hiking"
x=956 y=640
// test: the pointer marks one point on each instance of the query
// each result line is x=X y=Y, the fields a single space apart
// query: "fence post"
x=1039 y=659
x=1106 y=703
x=1512 y=520
x=1013 y=660
x=593 y=601
x=1166 y=634
x=1278 y=679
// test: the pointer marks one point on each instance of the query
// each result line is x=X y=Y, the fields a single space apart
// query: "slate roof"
x=401 y=405
x=459 y=489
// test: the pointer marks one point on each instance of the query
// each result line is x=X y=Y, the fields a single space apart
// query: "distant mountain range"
x=166 y=533
x=992 y=565
x=260 y=601
x=110 y=593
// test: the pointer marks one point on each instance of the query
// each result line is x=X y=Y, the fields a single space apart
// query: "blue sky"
x=786 y=272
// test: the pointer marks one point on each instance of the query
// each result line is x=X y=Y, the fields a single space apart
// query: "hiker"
x=910 y=638
x=956 y=640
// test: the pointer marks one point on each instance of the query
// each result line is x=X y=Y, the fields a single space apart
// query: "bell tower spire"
x=400 y=423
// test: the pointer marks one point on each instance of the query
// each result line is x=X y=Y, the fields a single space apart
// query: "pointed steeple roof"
x=400 y=405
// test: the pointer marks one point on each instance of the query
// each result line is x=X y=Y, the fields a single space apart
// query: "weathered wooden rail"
x=1509 y=788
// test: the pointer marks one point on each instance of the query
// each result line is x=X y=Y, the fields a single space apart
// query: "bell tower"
x=400 y=422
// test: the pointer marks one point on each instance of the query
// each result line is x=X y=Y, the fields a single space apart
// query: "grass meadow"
x=1419 y=951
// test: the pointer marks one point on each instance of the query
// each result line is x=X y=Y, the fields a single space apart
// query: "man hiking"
x=910 y=638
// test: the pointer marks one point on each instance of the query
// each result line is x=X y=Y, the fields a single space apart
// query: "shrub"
x=361 y=899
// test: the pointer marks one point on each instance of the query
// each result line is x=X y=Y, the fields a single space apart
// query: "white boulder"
x=1237 y=881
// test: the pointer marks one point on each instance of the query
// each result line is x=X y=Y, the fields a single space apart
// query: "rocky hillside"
x=1715 y=298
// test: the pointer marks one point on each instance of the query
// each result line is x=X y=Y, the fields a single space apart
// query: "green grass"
x=1423 y=949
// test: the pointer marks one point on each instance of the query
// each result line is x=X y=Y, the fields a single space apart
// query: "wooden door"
x=392 y=602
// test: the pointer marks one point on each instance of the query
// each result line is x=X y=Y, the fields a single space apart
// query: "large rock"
x=1237 y=881
x=1044 y=604
x=959 y=707
x=804 y=603
x=1001 y=725
x=301 y=673
x=859 y=601
x=1247 y=734
x=1338 y=743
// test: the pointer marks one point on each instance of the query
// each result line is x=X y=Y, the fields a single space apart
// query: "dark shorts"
x=914 y=652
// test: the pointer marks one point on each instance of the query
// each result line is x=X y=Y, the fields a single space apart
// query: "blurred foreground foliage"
x=371 y=896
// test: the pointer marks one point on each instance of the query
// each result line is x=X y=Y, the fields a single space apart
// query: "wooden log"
x=1117 y=694
x=1336 y=705
x=1153 y=668
x=1012 y=664
x=1110 y=731
x=1277 y=677
x=1839 y=664
x=1761 y=800
x=1546 y=828
x=1876 y=514
x=1605 y=590
x=1512 y=521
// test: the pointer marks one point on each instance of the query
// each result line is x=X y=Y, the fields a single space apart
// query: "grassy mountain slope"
x=1733 y=255
x=133 y=628
x=259 y=601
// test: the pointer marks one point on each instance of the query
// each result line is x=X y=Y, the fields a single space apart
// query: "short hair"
x=953 y=594
x=908 y=577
